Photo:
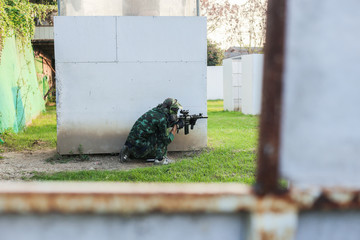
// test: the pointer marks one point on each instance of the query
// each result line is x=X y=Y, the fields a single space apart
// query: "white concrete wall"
x=229 y=226
x=227 y=87
x=127 y=8
x=252 y=70
x=110 y=70
x=215 y=83
x=320 y=131
x=232 y=73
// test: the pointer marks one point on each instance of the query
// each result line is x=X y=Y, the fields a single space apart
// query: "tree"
x=243 y=25
x=215 y=54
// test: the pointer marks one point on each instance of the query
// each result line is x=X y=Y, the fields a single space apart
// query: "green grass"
x=230 y=156
x=39 y=135
x=215 y=106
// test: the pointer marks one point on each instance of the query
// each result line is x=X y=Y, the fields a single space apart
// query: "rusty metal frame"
x=135 y=198
x=270 y=216
x=270 y=121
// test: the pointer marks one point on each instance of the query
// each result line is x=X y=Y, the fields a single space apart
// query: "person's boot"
x=164 y=161
x=124 y=154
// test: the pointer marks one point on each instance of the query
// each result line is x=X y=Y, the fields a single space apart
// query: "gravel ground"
x=14 y=166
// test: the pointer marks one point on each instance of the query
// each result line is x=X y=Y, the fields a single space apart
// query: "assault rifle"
x=184 y=120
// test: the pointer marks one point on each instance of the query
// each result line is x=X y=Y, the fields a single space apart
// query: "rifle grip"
x=186 y=129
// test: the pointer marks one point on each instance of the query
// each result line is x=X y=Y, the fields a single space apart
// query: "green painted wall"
x=20 y=94
x=42 y=79
x=39 y=64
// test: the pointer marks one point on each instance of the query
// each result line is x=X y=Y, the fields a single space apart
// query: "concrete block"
x=98 y=102
x=161 y=39
x=85 y=39
x=252 y=76
x=232 y=73
x=320 y=133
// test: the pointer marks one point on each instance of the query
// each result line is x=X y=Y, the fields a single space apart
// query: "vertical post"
x=269 y=139
x=198 y=8
x=58 y=4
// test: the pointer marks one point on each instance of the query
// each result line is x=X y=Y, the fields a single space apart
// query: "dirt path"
x=14 y=166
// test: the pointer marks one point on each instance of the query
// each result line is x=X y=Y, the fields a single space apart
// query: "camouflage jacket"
x=153 y=122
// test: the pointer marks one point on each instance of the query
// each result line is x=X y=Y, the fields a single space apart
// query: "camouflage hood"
x=172 y=105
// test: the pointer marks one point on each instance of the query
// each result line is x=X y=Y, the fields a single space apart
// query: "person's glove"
x=180 y=124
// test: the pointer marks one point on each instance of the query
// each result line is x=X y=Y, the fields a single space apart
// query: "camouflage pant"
x=152 y=148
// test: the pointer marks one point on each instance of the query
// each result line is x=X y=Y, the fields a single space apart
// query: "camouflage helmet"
x=172 y=104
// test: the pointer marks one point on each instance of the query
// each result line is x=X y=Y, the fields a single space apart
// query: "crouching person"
x=152 y=133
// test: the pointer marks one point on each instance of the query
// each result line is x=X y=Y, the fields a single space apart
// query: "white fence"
x=215 y=82
x=110 y=70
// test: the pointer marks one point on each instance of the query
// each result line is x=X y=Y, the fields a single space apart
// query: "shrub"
x=215 y=54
